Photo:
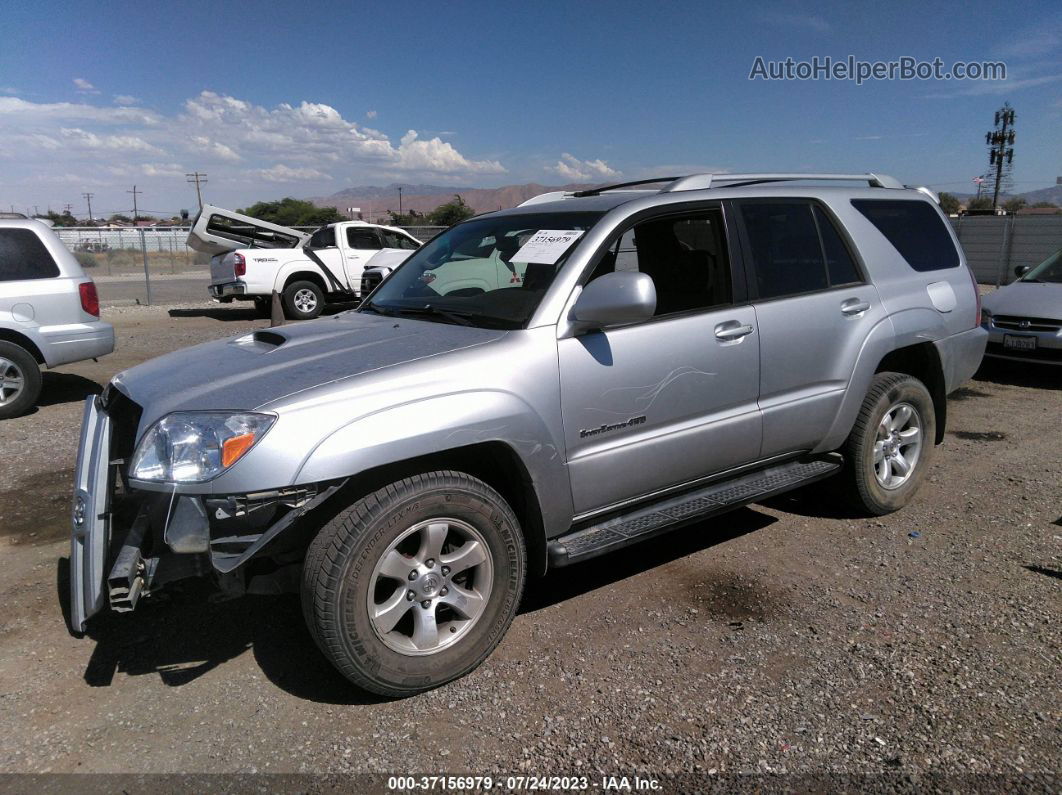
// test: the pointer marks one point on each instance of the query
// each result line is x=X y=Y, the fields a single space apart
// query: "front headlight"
x=194 y=446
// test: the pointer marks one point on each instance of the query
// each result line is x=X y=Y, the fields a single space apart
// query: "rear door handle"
x=853 y=306
x=732 y=330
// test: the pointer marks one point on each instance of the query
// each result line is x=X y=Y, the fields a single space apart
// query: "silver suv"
x=49 y=311
x=532 y=388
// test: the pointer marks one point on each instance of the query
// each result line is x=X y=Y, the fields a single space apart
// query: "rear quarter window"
x=24 y=256
x=915 y=229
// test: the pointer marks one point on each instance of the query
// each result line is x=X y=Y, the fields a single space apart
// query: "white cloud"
x=283 y=173
x=245 y=147
x=370 y=114
x=84 y=86
x=572 y=168
x=125 y=99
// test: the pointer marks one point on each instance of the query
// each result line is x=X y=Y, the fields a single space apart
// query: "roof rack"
x=704 y=181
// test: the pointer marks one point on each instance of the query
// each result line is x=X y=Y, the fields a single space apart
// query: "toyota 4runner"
x=532 y=388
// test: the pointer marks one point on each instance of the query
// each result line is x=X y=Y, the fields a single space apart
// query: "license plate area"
x=1017 y=342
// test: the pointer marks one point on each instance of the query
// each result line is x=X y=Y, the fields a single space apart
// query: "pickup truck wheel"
x=415 y=584
x=20 y=380
x=888 y=451
x=303 y=300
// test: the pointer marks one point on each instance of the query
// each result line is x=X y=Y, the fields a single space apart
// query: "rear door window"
x=915 y=229
x=795 y=248
x=24 y=256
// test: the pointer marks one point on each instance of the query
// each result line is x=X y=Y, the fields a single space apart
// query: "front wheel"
x=303 y=300
x=888 y=451
x=415 y=584
x=20 y=380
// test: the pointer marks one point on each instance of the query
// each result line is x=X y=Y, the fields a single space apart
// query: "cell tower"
x=1000 y=142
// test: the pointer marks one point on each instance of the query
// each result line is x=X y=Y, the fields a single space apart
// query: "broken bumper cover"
x=90 y=517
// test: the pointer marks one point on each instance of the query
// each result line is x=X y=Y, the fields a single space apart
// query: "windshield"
x=490 y=271
x=1050 y=270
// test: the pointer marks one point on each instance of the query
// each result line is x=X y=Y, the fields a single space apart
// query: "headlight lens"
x=194 y=446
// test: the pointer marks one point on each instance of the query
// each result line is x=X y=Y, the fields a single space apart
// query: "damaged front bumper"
x=127 y=543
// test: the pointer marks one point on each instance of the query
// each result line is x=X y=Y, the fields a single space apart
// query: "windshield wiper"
x=428 y=309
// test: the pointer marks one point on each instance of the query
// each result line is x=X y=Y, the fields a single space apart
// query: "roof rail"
x=618 y=185
x=704 y=181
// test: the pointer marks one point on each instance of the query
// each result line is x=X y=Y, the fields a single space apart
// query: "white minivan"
x=49 y=311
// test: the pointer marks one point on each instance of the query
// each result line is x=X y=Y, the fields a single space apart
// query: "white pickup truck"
x=252 y=258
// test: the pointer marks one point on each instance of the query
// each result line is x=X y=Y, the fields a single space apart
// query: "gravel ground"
x=790 y=637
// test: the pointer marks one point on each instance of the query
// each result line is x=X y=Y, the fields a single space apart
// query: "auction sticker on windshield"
x=546 y=246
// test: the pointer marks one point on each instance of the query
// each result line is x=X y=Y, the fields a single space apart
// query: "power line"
x=88 y=198
x=197 y=178
x=134 y=191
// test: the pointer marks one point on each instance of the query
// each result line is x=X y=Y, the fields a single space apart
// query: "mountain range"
x=375 y=201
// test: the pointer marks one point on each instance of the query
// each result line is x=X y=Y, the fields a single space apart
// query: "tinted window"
x=24 y=256
x=362 y=238
x=325 y=237
x=684 y=255
x=786 y=252
x=915 y=229
x=839 y=265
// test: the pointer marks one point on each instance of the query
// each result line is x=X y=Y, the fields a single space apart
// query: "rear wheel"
x=415 y=584
x=888 y=451
x=20 y=380
x=303 y=300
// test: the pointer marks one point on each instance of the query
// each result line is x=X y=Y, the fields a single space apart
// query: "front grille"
x=369 y=282
x=1017 y=323
x=1039 y=354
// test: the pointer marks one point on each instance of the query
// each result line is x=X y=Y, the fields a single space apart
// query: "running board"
x=667 y=514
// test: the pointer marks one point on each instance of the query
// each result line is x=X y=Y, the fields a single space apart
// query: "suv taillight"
x=90 y=299
x=239 y=265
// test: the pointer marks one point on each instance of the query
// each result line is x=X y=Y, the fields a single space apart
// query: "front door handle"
x=732 y=330
x=853 y=306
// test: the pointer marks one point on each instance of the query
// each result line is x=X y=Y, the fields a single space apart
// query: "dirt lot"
x=786 y=637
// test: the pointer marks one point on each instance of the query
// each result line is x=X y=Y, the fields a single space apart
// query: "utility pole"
x=1000 y=141
x=197 y=178
x=134 y=191
x=67 y=208
x=88 y=198
x=399 y=199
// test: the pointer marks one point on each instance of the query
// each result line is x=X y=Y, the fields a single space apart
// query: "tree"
x=1046 y=205
x=453 y=212
x=948 y=203
x=119 y=218
x=293 y=212
x=412 y=218
x=981 y=203
x=66 y=219
x=1015 y=204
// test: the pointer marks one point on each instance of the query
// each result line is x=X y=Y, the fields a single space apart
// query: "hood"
x=253 y=370
x=1026 y=299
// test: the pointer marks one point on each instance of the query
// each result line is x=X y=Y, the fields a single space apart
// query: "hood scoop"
x=270 y=338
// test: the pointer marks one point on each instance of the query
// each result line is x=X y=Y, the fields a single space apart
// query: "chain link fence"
x=132 y=257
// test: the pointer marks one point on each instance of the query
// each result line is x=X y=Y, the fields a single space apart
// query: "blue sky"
x=306 y=99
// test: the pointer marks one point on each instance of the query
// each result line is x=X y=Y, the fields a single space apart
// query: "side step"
x=649 y=520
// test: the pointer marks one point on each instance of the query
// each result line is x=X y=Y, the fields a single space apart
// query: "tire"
x=303 y=300
x=360 y=562
x=20 y=380
x=885 y=466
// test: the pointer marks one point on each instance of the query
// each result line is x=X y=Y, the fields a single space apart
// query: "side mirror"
x=615 y=299
x=1021 y=270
